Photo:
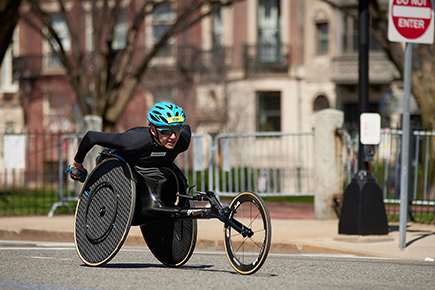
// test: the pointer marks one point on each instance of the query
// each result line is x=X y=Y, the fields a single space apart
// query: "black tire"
x=247 y=254
x=171 y=241
x=104 y=212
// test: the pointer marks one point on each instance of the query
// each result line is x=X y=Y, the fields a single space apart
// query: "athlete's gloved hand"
x=76 y=174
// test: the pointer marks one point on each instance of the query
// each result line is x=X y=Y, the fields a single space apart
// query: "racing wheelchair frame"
x=108 y=206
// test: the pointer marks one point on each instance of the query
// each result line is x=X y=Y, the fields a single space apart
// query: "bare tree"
x=423 y=70
x=105 y=82
x=8 y=20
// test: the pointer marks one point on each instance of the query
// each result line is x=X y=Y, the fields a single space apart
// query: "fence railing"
x=28 y=172
x=272 y=164
x=195 y=168
x=386 y=168
x=68 y=191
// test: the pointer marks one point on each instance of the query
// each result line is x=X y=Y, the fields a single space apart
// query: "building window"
x=52 y=64
x=269 y=32
x=163 y=17
x=60 y=27
x=9 y=128
x=217 y=29
x=320 y=103
x=269 y=111
x=322 y=38
x=120 y=32
x=374 y=44
x=350 y=35
x=59 y=114
x=8 y=83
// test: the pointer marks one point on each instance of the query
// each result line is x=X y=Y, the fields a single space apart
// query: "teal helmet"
x=166 y=114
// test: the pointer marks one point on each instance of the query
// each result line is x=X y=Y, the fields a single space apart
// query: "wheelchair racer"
x=143 y=147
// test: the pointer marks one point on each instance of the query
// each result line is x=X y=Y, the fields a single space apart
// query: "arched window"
x=320 y=103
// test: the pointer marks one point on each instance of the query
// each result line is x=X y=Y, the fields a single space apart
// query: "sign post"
x=410 y=21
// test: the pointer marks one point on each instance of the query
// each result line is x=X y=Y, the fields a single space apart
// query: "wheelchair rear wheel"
x=172 y=241
x=247 y=254
x=104 y=212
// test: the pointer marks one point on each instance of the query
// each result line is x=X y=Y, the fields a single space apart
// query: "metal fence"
x=195 y=163
x=279 y=164
x=28 y=172
x=386 y=169
x=272 y=164
x=68 y=189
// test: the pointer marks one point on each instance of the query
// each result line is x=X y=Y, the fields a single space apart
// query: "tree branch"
x=180 y=25
x=61 y=54
x=77 y=53
x=9 y=17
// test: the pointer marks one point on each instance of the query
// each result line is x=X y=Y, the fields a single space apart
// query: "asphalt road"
x=30 y=265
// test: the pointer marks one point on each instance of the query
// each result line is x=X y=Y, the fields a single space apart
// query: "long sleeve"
x=136 y=145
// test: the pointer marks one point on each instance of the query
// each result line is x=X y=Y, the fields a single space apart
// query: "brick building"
x=258 y=65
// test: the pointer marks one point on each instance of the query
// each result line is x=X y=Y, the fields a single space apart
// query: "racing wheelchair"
x=115 y=197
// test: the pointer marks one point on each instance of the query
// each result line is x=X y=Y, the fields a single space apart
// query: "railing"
x=271 y=164
x=276 y=164
x=188 y=58
x=68 y=191
x=33 y=66
x=197 y=162
x=262 y=57
x=386 y=168
x=32 y=188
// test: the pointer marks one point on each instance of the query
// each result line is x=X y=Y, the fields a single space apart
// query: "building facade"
x=257 y=65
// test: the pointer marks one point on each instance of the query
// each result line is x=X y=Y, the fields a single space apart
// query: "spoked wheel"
x=247 y=254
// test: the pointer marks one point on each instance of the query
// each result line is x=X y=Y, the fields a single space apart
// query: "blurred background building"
x=256 y=65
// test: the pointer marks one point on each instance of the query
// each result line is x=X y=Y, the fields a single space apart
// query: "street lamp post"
x=363 y=210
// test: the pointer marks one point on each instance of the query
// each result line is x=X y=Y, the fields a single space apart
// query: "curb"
x=201 y=244
x=37 y=235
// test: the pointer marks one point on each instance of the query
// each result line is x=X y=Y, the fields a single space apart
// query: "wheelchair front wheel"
x=247 y=254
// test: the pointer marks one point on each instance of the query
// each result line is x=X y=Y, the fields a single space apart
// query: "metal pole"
x=363 y=88
x=363 y=210
x=405 y=147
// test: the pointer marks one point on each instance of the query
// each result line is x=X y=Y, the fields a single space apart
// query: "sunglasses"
x=169 y=131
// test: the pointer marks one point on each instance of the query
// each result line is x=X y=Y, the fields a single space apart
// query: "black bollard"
x=363 y=211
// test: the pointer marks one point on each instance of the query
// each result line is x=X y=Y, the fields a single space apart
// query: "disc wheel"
x=172 y=242
x=104 y=212
x=247 y=254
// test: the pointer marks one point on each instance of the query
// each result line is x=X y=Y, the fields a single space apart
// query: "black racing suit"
x=137 y=146
x=139 y=149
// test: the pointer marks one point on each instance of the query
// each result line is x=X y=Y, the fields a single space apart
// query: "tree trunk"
x=8 y=20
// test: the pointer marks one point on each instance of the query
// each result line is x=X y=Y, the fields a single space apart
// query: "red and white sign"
x=411 y=21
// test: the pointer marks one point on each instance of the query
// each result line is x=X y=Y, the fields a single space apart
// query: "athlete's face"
x=167 y=136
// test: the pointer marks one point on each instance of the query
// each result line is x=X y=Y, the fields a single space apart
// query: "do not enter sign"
x=411 y=21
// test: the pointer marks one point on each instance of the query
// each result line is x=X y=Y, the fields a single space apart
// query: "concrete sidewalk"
x=289 y=236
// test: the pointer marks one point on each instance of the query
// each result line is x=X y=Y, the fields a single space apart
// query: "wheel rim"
x=247 y=254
